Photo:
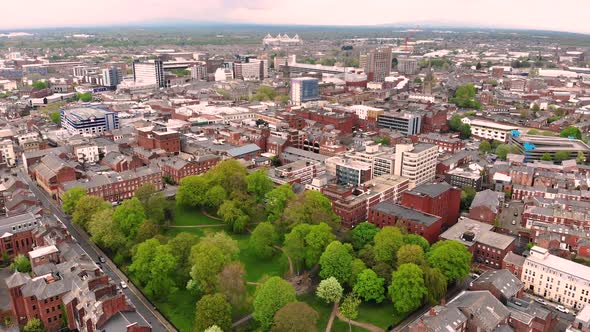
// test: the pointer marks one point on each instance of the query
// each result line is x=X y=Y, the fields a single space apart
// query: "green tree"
x=503 y=150
x=581 y=157
x=215 y=196
x=209 y=257
x=363 y=234
x=296 y=317
x=309 y=207
x=436 y=285
x=387 y=242
x=546 y=157
x=411 y=253
x=213 y=328
x=276 y=201
x=55 y=117
x=154 y=265
x=562 y=155
x=357 y=267
x=329 y=290
x=70 y=199
x=451 y=258
x=230 y=174
x=192 y=191
x=181 y=245
x=86 y=207
x=21 y=264
x=533 y=132
x=154 y=202
x=34 y=325
x=231 y=282
x=417 y=240
x=271 y=296
x=571 y=132
x=465 y=97
x=262 y=240
x=212 y=309
x=485 y=147
x=316 y=241
x=350 y=308
x=129 y=216
x=336 y=261
x=465 y=131
x=455 y=122
x=467 y=196
x=104 y=231
x=39 y=85
x=235 y=218
x=259 y=184
x=369 y=286
x=84 y=97
x=407 y=288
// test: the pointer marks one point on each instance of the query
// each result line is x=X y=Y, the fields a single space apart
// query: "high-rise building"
x=199 y=71
x=89 y=120
x=417 y=163
x=407 y=123
x=304 y=89
x=407 y=66
x=254 y=69
x=149 y=73
x=112 y=76
x=377 y=63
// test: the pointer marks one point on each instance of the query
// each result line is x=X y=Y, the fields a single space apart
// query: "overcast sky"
x=564 y=15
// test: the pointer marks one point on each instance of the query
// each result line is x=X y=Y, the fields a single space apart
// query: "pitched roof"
x=488 y=198
x=488 y=312
x=502 y=280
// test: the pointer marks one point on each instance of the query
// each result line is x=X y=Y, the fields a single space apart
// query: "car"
x=538 y=300
x=101 y=259
x=123 y=284
x=474 y=275
x=513 y=222
x=562 y=309
x=515 y=214
x=506 y=205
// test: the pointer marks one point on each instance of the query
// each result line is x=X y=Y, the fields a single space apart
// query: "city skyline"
x=479 y=13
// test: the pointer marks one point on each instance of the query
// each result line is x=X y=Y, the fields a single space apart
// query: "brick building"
x=177 y=168
x=388 y=213
x=52 y=171
x=486 y=206
x=151 y=138
x=16 y=234
x=439 y=199
x=445 y=143
x=513 y=263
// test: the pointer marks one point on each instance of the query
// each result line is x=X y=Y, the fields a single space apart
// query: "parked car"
x=513 y=221
x=538 y=300
x=516 y=214
x=101 y=259
x=123 y=284
x=474 y=275
x=562 y=309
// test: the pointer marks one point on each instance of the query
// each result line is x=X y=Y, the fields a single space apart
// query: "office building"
x=406 y=123
x=416 y=163
x=377 y=63
x=556 y=279
x=149 y=73
x=199 y=71
x=251 y=70
x=112 y=76
x=408 y=66
x=489 y=130
x=350 y=172
x=304 y=89
x=153 y=138
x=88 y=120
x=534 y=147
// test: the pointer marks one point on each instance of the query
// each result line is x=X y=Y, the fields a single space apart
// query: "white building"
x=416 y=162
x=362 y=111
x=223 y=74
x=149 y=73
x=281 y=40
x=489 y=130
x=87 y=153
x=557 y=279
x=7 y=152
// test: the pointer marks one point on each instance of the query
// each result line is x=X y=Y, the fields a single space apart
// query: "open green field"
x=191 y=217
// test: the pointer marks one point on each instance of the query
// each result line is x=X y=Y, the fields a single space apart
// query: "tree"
x=212 y=309
x=306 y=243
x=269 y=298
x=55 y=117
x=181 y=245
x=485 y=147
x=336 y=261
x=259 y=184
x=192 y=191
x=503 y=150
x=34 y=325
x=546 y=157
x=104 y=231
x=84 y=97
x=39 y=85
x=154 y=266
x=524 y=114
x=465 y=97
x=465 y=131
x=70 y=199
x=369 y=286
x=387 y=242
x=571 y=131
x=296 y=317
x=581 y=157
x=407 y=288
x=309 y=207
x=86 y=207
x=209 y=257
x=235 y=218
x=455 y=122
x=467 y=196
x=384 y=271
x=231 y=282
x=214 y=328
x=350 y=308
x=436 y=285
x=276 y=201
x=417 y=240
x=129 y=216
x=21 y=264
x=562 y=155
x=154 y=202
x=356 y=268
x=329 y=290
x=411 y=253
x=363 y=234
x=215 y=196
x=533 y=132
x=451 y=258
x=262 y=240
x=230 y=174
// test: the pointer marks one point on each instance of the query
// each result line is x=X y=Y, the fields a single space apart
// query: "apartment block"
x=416 y=162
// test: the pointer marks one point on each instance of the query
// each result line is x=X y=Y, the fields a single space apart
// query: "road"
x=564 y=319
x=142 y=305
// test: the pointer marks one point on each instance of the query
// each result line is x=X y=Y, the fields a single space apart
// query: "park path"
x=291 y=269
x=241 y=321
x=366 y=326
x=332 y=316
x=195 y=226
x=211 y=216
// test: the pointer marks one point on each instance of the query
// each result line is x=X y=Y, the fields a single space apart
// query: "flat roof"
x=405 y=213
x=491 y=124
x=482 y=231
x=43 y=251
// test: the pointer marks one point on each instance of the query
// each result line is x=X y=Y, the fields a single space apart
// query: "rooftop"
x=42 y=251
x=405 y=213
x=431 y=189
x=543 y=257
x=86 y=113
x=482 y=233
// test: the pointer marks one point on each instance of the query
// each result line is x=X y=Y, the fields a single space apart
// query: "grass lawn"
x=189 y=217
x=257 y=268
x=381 y=314
x=340 y=326
x=180 y=311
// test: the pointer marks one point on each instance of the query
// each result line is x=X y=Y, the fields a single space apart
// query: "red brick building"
x=149 y=138
x=16 y=234
x=513 y=263
x=414 y=222
x=445 y=143
x=119 y=162
x=177 y=168
x=52 y=171
x=439 y=199
x=486 y=206
x=345 y=122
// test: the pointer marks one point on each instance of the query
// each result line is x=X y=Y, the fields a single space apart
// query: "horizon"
x=502 y=15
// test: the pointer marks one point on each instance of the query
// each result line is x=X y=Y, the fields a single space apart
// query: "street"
x=142 y=305
x=564 y=320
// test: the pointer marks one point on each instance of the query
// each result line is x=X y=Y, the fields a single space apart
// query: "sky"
x=564 y=15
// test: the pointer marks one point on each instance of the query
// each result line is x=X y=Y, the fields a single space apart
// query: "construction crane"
x=411 y=34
